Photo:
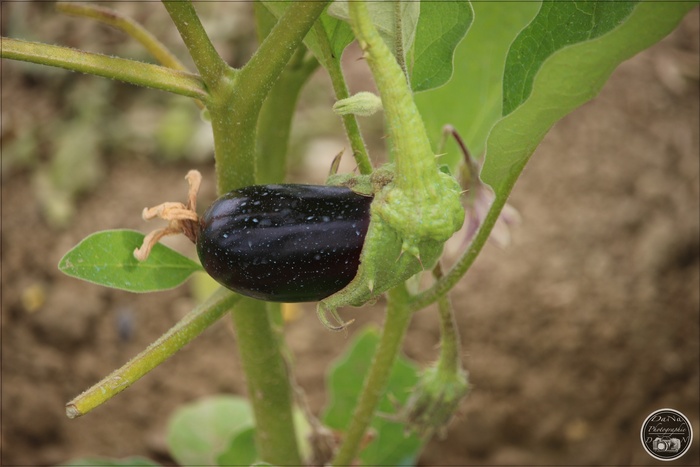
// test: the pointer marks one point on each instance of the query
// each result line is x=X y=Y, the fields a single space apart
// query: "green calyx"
x=416 y=207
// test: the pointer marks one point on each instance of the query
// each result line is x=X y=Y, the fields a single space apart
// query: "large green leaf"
x=391 y=446
x=471 y=100
x=566 y=80
x=107 y=258
x=442 y=25
x=556 y=26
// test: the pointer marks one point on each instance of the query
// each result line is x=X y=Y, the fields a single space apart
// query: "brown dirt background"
x=572 y=335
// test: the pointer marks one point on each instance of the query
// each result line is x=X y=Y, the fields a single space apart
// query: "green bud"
x=362 y=104
x=435 y=400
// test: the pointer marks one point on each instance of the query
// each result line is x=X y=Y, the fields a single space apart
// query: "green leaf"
x=566 y=80
x=241 y=451
x=205 y=432
x=471 y=100
x=557 y=25
x=339 y=34
x=441 y=26
x=97 y=462
x=107 y=258
x=345 y=381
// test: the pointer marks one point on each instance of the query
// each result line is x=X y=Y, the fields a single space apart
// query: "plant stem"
x=449 y=361
x=235 y=114
x=235 y=110
x=210 y=65
x=397 y=319
x=409 y=138
x=340 y=88
x=176 y=338
x=130 y=71
x=275 y=121
x=268 y=384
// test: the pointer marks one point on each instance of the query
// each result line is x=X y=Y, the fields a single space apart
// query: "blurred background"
x=572 y=335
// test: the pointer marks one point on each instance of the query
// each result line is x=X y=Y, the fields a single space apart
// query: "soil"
x=572 y=335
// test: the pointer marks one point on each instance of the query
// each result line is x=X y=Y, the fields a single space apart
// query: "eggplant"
x=284 y=243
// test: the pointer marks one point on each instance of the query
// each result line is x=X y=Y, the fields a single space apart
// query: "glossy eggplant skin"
x=284 y=243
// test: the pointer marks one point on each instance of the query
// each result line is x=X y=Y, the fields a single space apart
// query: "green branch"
x=340 y=88
x=176 y=338
x=129 y=71
x=210 y=65
x=235 y=117
x=127 y=25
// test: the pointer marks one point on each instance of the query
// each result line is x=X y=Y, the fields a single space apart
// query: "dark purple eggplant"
x=284 y=243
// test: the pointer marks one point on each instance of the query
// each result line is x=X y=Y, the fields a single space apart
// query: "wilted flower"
x=435 y=400
x=479 y=198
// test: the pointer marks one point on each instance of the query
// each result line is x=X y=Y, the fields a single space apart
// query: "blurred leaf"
x=442 y=25
x=471 y=100
x=176 y=130
x=569 y=77
x=345 y=381
x=557 y=25
x=97 y=462
x=241 y=451
x=207 y=431
x=107 y=258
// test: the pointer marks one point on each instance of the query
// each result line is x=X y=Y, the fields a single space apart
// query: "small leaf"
x=97 y=462
x=202 y=432
x=442 y=25
x=384 y=19
x=107 y=258
x=345 y=382
x=339 y=34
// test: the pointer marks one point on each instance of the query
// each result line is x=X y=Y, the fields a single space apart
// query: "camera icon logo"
x=666 y=434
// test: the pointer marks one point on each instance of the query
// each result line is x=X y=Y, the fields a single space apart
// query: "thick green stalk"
x=129 y=71
x=269 y=389
x=414 y=154
x=235 y=109
x=235 y=115
x=176 y=338
x=397 y=319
